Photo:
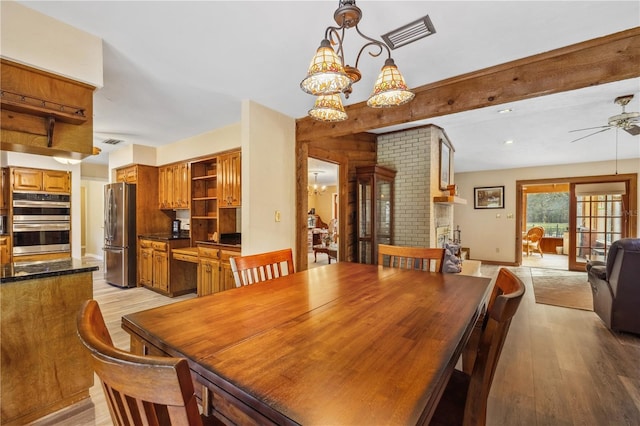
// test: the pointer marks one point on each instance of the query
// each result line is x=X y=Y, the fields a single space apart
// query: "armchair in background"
x=531 y=241
x=616 y=286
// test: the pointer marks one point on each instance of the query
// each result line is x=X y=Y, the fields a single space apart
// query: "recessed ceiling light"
x=509 y=142
x=505 y=111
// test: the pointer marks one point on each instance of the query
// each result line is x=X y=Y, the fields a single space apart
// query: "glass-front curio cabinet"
x=375 y=211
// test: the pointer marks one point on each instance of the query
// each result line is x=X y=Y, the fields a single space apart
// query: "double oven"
x=41 y=223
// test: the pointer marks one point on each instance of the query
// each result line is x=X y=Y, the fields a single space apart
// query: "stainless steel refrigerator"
x=120 y=234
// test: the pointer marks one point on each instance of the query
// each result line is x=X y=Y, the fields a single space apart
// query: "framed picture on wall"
x=445 y=164
x=488 y=197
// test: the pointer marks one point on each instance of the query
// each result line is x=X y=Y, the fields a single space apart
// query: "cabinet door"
x=161 y=270
x=165 y=187
x=231 y=187
x=127 y=174
x=227 y=282
x=146 y=266
x=4 y=193
x=5 y=250
x=208 y=276
x=181 y=180
x=56 y=181
x=27 y=180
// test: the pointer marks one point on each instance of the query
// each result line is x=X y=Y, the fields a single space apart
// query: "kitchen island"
x=44 y=365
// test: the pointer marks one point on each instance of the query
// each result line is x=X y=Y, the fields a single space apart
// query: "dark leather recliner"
x=616 y=286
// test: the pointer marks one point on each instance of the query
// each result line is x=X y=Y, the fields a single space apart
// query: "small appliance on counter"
x=175 y=227
x=234 y=239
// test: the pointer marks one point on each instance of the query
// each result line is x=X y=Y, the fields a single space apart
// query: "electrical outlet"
x=509 y=215
x=277 y=216
x=498 y=216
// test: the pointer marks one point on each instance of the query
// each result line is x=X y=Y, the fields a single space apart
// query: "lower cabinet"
x=5 y=249
x=159 y=272
x=214 y=269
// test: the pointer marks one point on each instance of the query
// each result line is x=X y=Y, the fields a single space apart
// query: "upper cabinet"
x=174 y=186
x=4 y=189
x=24 y=179
x=127 y=174
x=230 y=180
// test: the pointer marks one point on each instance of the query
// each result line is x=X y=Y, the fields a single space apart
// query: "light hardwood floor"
x=559 y=366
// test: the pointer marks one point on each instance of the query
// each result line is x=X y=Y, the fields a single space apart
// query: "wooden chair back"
x=502 y=306
x=427 y=259
x=139 y=390
x=262 y=267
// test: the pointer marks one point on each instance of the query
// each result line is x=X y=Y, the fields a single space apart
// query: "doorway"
x=546 y=206
x=323 y=212
x=600 y=212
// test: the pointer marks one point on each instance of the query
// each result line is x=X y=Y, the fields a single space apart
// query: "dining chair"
x=532 y=240
x=464 y=401
x=429 y=259
x=261 y=267
x=139 y=389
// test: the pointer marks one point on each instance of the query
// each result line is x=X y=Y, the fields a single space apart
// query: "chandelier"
x=328 y=76
x=316 y=189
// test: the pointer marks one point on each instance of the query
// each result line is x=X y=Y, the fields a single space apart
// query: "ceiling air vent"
x=420 y=28
x=112 y=141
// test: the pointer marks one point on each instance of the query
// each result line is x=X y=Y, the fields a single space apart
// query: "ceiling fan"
x=625 y=120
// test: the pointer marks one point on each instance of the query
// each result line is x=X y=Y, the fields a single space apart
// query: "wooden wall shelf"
x=449 y=199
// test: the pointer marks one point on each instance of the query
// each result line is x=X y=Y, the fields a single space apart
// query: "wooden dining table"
x=343 y=344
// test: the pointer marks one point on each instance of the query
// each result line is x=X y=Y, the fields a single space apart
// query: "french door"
x=599 y=215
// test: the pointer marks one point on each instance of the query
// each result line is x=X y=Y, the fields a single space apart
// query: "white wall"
x=202 y=145
x=94 y=208
x=44 y=162
x=493 y=238
x=268 y=179
x=31 y=38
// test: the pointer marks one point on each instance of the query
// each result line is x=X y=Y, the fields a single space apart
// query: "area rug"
x=562 y=288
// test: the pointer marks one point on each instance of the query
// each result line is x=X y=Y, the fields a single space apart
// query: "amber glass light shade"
x=326 y=74
x=390 y=88
x=328 y=108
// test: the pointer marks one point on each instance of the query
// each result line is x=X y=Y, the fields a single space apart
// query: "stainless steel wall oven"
x=41 y=223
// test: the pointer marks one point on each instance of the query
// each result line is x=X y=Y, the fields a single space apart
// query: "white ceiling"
x=175 y=69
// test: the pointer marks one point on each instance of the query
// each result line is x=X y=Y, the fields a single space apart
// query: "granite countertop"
x=166 y=236
x=22 y=271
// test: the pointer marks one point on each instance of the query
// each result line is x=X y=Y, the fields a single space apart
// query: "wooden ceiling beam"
x=602 y=60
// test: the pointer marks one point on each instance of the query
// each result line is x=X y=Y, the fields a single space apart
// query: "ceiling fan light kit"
x=328 y=75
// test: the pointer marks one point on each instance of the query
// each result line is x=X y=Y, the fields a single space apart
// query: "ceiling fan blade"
x=633 y=130
x=588 y=128
x=591 y=134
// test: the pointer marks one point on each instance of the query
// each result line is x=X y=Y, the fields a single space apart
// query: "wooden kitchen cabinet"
x=25 y=179
x=230 y=180
x=204 y=200
x=174 y=186
x=158 y=272
x=214 y=269
x=161 y=267
x=5 y=249
x=4 y=190
x=127 y=174
x=145 y=263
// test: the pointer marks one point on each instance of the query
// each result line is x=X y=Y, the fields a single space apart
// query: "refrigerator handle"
x=108 y=219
